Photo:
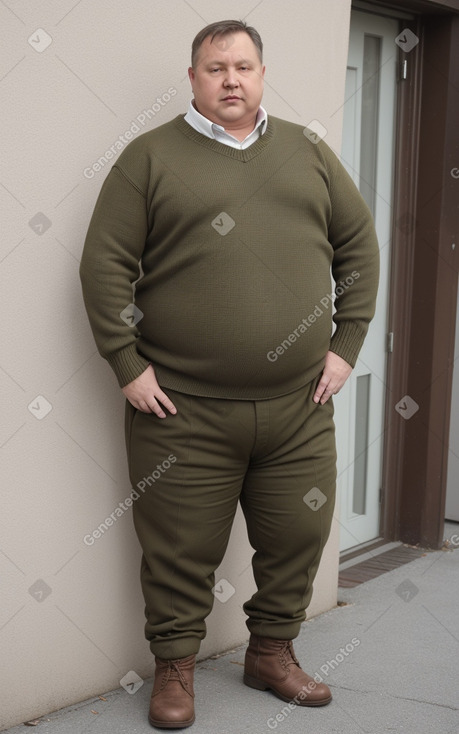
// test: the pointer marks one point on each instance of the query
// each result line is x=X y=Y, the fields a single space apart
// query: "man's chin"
x=233 y=114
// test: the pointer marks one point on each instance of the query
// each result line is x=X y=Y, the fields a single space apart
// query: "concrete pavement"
x=389 y=653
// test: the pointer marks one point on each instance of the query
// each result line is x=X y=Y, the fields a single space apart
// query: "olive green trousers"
x=277 y=458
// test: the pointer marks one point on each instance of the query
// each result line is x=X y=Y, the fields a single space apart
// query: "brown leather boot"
x=172 y=698
x=272 y=664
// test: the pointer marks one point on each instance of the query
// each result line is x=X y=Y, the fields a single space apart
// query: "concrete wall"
x=75 y=76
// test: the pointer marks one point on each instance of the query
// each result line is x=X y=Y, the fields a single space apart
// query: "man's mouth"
x=230 y=97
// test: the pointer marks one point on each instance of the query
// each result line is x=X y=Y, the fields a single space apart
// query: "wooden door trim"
x=423 y=278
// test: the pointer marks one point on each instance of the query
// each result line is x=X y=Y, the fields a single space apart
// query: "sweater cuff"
x=347 y=341
x=127 y=364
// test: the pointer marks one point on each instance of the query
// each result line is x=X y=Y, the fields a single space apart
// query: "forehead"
x=228 y=48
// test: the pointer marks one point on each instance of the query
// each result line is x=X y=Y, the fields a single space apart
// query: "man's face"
x=227 y=80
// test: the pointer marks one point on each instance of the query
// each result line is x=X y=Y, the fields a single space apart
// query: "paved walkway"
x=390 y=654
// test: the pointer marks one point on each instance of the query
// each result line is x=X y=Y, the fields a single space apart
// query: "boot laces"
x=287 y=654
x=174 y=672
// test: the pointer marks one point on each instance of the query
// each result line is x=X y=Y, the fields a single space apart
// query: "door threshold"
x=358 y=550
x=371 y=561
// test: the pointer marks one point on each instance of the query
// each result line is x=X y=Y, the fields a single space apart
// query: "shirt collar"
x=206 y=127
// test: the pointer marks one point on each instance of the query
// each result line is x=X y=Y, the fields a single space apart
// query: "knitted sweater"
x=233 y=298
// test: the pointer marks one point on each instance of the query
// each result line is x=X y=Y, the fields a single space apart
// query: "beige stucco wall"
x=71 y=618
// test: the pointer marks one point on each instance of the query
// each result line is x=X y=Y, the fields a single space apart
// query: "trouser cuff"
x=273 y=630
x=175 y=649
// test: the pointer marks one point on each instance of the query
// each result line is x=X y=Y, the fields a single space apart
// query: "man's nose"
x=231 y=80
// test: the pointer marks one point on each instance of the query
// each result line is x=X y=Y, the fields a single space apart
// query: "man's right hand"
x=145 y=394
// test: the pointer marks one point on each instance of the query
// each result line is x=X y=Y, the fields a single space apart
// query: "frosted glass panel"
x=349 y=147
x=370 y=114
x=361 y=444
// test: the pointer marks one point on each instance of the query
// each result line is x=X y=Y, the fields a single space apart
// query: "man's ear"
x=191 y=74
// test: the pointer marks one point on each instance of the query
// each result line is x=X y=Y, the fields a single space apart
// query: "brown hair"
x=224 y=28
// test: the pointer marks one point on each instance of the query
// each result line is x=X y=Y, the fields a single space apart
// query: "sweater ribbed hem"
x=127 y=364
x=250 y=391
x=347 y=341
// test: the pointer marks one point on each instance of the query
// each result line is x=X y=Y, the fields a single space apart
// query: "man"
x=236 y=218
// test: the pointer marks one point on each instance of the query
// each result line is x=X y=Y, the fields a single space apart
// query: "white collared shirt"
x=217 y=132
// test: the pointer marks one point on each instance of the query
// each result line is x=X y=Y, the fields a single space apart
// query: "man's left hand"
x=335 y=374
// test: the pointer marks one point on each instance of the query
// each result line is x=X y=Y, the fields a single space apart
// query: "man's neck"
x=239 y=132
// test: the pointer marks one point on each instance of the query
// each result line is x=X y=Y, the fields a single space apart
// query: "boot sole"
x=261 y=686
x=171 y=724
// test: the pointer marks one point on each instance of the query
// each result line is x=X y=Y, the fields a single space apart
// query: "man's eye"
x=212 y=70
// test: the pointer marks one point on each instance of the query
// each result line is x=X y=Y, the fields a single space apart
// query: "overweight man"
x=226 y=223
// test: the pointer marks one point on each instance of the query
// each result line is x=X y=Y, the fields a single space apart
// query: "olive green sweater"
x=234 y=298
